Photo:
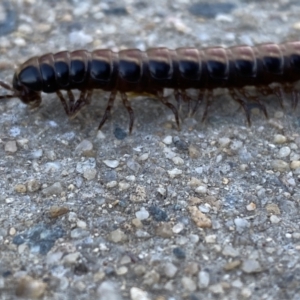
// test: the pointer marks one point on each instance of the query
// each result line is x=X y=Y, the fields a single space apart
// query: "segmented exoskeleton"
x=154 y=70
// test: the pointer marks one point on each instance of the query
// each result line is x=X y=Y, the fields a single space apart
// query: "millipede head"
x=27 y=96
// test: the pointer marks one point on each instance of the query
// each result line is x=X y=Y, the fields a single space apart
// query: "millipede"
x=270 y=68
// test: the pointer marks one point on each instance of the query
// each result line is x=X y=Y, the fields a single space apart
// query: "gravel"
x=210 y=211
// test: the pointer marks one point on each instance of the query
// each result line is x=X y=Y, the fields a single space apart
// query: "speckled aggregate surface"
x=207 y=212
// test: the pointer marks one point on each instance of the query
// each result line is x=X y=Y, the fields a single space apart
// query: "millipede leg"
x=169 y=105
x=243 y=104
x=265 y=91
x=127 y=105
x=63 y=102
x=207 y=105
x=73 y=107
x=108 y=108
x=84 y=99
x=198 y=102
x=178 y=98
x=279 y=93
x=295 y=99
x=6 y=86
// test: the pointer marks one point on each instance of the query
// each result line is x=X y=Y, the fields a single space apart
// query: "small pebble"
x=20 y=188
x=122 y=271
x=224 y=142
x=216 y=289
x=178 y=161
x=33 y=185
x=194 y=152
x=11 y=146
x=133 y=165
x=279 y=139
x=89 y=174
x=84 y=148
x=139 y=195
x=236 y=145
x=251 y=206
x=111 y=163
x=111 y=184
x=9 y=200
x=279 y=165
x=274 y=219
x=251 y=266
x=177 y=228
x=295 y=164
x=168 y=140
x=210 y=239
x=54 y=189
x=230 y=251
x=201 y=189
x=81 y=224
x=188 y=284
x=30 y=288
x=170 y=270
x=138 y=294
x=241 y=224
x=71 y=259
x=284 y=152
x=273 y=208
x=179 y=253
x=36 y=154
x=232 y=265
x=203 y=279
x=174 y=173
x=143 y=157
x=151 y=278
x=108 y=291
x=78 y=233
x=56 y=211
x=117 y=236
x=142 y=214
x=137 y=223
x=12 y=231
x=164 y=230
x=199 y=218
x=162 y=191
x=123 y=186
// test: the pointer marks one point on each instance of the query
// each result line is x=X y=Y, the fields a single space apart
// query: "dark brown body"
x=153 y=70
x=158 y=68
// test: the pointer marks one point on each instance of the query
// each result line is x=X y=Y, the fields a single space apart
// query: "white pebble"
x=178 y=228
x=188 y=284
x=274 y=219
x=111 y=163
x=111 y=184
x=174 y=172
x=279 y=139
x=142 y=214
x=168 y=140
x=203 y=279
x=123 y=186
x=81 y=224
x=138 y=294
x=224 y=141
x=210 y=239
x=178 y=160
x=130 y=178
x=251 y=206
x=201 y=189
x=162 y=191
x=144 y=157
x=284 y=152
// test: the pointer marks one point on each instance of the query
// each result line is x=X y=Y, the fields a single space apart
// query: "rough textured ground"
x=208 y=212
